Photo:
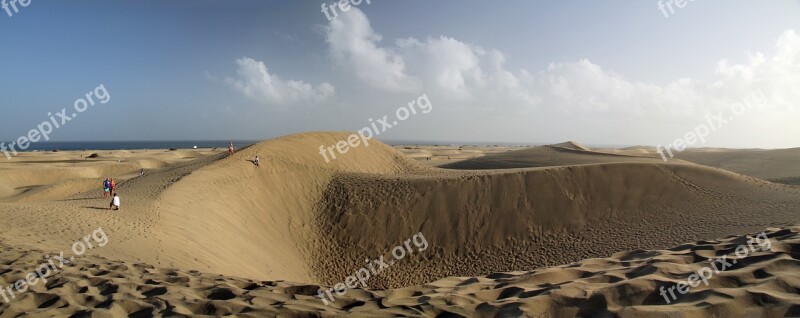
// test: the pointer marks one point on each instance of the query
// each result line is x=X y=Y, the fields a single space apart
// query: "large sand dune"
x=300 y=219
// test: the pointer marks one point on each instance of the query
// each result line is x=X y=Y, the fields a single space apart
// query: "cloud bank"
x=472 y=85
x=467 y=74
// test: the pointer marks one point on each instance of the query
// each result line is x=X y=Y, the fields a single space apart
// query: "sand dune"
x=300 y=219
x=634 y=150
x=780 y=165
x=550 y=155
x=572 y=145
x=510 y=220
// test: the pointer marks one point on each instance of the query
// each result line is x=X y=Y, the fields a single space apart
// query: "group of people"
x=108 y=190
x=108 y=187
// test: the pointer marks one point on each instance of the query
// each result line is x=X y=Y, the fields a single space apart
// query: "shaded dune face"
x=299 y=218
x=477 y=223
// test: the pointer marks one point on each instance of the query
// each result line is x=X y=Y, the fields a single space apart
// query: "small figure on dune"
x=114 y=203
x=112 y=186
x=257 y=161
x=230 y=148
x=141 y=172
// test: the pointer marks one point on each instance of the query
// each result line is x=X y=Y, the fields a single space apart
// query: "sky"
x=518 y=71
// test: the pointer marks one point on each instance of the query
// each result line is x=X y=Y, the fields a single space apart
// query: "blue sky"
x=599 y=72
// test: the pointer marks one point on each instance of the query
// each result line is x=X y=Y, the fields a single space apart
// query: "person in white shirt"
x=114 y=203
x=257 y=162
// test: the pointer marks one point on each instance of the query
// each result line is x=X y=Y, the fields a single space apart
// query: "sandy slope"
x=300 y=219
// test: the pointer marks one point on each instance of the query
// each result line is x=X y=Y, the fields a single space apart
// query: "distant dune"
x=572 y=145
x=551 y=155
x=780 y=165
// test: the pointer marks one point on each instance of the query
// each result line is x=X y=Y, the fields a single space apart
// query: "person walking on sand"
x=114 y=205
x=257 y=162
x=113 y=186
x=230 y=148
x=106 y=188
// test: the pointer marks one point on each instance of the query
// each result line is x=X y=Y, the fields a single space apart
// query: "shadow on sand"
x=96 y=208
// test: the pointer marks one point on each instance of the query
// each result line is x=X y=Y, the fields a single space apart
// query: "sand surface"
x=625 y=284
x=297 y=223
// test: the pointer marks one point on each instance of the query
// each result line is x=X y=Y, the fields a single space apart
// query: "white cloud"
x=254 y=81
x=778 y=75
x=444 y=63
x=467 y=75
x=354 y=45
